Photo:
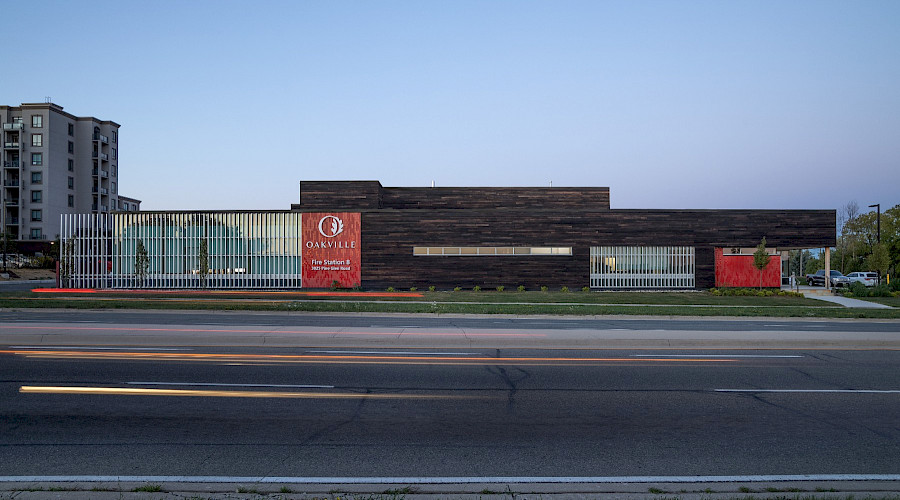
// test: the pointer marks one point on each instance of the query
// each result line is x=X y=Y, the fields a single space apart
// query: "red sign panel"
x=331 y=249
x=738 y=271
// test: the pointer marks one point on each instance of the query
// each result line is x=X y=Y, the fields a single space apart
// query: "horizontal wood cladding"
x=339 y=195
x=370 y=195
x=478 y=198
x=388 y=237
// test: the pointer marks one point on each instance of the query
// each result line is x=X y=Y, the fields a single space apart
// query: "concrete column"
x=827 y=268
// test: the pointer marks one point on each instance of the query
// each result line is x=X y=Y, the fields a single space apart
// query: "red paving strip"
x=229 y=292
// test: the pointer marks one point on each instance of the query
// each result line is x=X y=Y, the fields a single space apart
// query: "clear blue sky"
x=672 y=104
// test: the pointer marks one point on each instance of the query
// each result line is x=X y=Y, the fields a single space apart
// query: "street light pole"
x=878 y=219
x=877 y=206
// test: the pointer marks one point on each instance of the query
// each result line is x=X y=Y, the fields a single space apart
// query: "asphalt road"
x=79 y=396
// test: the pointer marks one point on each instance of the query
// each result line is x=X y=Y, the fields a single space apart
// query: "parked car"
x=866 y=278
x=818 y=279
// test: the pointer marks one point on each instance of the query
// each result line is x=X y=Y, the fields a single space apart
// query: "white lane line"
x=815 y=391
x=292 y=386
x=716 y=356
x=98 y=348
x=398 y=352
x=455 y=480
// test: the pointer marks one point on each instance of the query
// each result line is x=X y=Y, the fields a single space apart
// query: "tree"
x=761 y=259
x=204 y=262
x=880 y=260
x=141 y=262
x=66 y=267
x=847 y=213
x=9 y=246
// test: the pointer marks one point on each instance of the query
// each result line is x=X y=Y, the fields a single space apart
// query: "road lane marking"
x=127 y=391
x=717 y=355
x=815 y=391
x=205 y=384
x=456 y=480
x=350 y=359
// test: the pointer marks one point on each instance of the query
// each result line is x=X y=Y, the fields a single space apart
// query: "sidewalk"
x=848 y=302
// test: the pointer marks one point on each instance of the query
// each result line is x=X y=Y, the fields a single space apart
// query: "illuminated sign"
x=331 y=249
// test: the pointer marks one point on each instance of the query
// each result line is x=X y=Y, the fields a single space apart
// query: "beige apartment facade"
x=56 y=163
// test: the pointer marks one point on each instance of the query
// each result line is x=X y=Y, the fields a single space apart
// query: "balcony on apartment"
x=11 y=182
x=12 y=202
x=11 y=164
x=14 y=126
x=102 y=156
x=11 y=144
x=12 y=221
x=100 y=137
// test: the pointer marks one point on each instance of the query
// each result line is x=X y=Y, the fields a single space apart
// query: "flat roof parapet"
x=371 y=195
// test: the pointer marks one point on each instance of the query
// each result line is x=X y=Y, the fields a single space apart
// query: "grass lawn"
x=888 y=301
x=693 y=303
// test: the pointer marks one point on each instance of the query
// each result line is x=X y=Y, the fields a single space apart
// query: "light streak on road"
x=813 y=391
x=130 y=391
x=214 y=384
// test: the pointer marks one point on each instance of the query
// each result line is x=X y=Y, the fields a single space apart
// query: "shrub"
x=895 y=285
x=858 y=289
x=476 y=288
x=390 y=289
x=335 y=285
x=564 y=289
x=357 y=287
x=413 y=289
x=520 y=288
x=501 y=288
x=585 y=289
x=882 y=290
x=457 y=289
x=544 y=289
x=431 y=288
x=769 y=293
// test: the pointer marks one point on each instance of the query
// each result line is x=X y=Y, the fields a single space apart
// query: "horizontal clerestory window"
x=493 y=251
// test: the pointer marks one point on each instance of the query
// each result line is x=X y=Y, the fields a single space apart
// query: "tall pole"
x=878 y=229
x=878 y=219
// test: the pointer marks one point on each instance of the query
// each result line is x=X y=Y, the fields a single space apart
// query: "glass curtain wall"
x=642 y=267
x=181 y=250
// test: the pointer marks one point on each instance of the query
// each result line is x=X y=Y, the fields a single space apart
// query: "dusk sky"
x=672 y=104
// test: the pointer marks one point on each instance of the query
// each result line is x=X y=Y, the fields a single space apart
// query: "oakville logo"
x=333 y=229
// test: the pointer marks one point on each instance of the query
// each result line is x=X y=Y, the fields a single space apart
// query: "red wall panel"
x=738 y=271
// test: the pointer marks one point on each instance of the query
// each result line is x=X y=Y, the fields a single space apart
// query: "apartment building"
x=56 y=163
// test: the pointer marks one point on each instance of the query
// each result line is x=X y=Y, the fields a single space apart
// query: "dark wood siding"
x=479 y=198
x=389 y=236
x=339 y=195
x=396 y=219
x=370 y=195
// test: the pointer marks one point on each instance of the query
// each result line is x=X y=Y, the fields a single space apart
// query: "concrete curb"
x=467 y=491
